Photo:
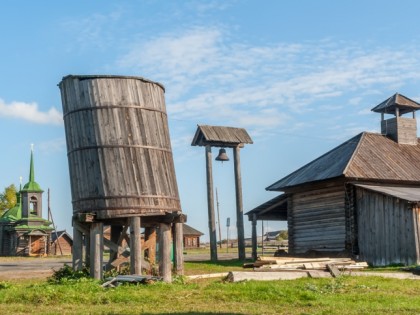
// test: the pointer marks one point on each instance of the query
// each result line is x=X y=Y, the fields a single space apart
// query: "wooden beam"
x=165 y=252
x=114 y=248
x=96 y=250
x=178 y=248
x=123 y=235
x=210 y=205
x=135 y=246
x=114 y=251
x=83 y=228
x=150 y=244
x=77 y=249
x=239 y=205
x=254 y=236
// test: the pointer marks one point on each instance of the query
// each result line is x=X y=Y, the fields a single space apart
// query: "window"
x=33 y=206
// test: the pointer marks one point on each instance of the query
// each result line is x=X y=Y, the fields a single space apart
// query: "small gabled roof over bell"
x=403 y=103
x=220 y=136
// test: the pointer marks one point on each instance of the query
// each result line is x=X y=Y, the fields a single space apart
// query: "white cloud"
x=92 y=31
x=51 y=146
x=30 y=112
x=213 y=79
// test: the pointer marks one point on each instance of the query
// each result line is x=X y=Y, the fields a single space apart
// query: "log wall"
x=388 y=229
x=316 y=220
x=65 y=245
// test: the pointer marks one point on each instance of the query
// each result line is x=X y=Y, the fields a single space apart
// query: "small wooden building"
x=361 y=198
x=191 y=237
x=23 y=231
x=61 y=243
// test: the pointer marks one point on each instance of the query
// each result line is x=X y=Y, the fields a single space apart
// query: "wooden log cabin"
x=191 y=237
x=361 y=198
x=61 y=243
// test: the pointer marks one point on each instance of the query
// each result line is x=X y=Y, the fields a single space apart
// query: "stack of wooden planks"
x=333 y=265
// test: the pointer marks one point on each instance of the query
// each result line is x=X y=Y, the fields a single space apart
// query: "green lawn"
x=345 y=295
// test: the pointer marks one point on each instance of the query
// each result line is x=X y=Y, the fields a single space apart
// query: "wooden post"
x=165 y=252
x=96 y=248
x=114 y=237
x=150 y=237
x=210 y=204
x=135 y=246
x=254 y=236
x=178 y=249
x=239 y=205
x=218 y=219
x=77 y=249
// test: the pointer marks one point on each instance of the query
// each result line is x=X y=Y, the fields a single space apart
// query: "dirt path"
x=30 y=268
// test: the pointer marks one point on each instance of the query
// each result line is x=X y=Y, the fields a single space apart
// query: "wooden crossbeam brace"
x=111 y=245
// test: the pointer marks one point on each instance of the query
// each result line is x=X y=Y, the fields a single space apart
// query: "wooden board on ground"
x=318 y=274
x=236 y=276
x=333 y=270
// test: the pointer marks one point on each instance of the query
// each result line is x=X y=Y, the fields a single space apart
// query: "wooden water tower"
x=121 y=171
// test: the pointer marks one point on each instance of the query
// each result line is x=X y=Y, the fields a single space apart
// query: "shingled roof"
x=274 y=209
x=367 y=156
x=220 y=136
x=188 y=230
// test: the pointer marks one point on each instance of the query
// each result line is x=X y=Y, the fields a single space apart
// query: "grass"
x=344 y=295
x=204 y=267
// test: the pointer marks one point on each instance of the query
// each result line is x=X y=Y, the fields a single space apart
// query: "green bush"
x=67 y=274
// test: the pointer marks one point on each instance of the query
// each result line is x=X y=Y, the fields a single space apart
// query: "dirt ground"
x=30 y=267
x=14 y=268
x=43 y=267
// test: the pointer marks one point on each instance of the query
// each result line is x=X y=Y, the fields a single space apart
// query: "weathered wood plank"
x=96 y=247
x=178 y=248
x=165 y=252
x=118 y=146
x=135 y=246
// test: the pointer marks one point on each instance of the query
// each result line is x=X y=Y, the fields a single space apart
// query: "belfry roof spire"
x=32 y=185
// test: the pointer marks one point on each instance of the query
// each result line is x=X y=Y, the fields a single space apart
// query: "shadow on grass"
x=224 y=263
x=191 y=313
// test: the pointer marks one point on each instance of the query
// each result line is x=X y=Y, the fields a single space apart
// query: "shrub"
x=67 y=274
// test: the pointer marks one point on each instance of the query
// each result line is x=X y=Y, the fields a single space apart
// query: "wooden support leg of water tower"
x=96 y=250
x=114 y=237
x=135 y=246
x=254 y=237
x=178 y=248
x=87 y=248
x=77 y=249
x=165 y=252
x=150 y=244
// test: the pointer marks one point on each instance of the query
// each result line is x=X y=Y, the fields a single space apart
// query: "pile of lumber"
x=334 y=265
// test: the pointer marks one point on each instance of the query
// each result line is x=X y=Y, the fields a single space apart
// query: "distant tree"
x=8 y=198
x=283 y=235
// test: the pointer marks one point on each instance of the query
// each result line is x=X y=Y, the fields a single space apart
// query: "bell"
x=222 y=156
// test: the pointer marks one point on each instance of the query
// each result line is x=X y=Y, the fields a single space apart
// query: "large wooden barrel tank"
x=118 y=146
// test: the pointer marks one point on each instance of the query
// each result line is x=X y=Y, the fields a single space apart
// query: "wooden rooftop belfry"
x=121 y=169
x=401 y=129
x=229 y=137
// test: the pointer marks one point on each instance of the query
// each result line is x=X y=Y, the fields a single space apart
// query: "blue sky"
x=300 y=76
